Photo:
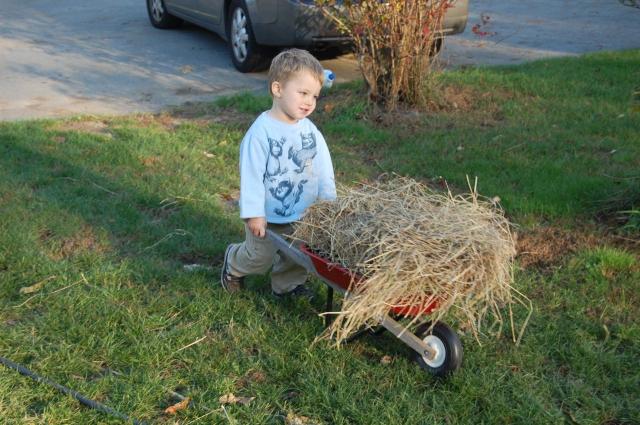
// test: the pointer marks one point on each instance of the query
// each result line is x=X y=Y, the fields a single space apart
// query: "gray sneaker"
x=229 y=282
x=300 y=291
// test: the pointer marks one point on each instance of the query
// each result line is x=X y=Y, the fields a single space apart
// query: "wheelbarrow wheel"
x=447 y=346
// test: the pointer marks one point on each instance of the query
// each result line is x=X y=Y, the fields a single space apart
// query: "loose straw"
x=413 y=245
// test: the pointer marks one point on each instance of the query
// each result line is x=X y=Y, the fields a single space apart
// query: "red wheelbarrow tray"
x=438 y=348
x=345 y=278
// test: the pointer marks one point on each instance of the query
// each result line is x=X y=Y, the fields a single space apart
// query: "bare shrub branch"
x=393 y=41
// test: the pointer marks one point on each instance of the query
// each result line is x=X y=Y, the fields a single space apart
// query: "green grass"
x=106 y=212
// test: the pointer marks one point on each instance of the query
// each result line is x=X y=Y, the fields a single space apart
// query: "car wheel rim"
x=440 y=351
x=157 y=11
x=239 y=35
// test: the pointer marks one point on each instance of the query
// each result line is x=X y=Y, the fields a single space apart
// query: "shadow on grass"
x=137 y=222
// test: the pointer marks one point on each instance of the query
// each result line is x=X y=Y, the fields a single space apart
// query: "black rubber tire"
x=436 y=47
x=332 y=52
x=444 y=335
x=257 y=57
x=159 y=17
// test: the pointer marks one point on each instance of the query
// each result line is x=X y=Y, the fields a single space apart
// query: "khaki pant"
x=256 y=256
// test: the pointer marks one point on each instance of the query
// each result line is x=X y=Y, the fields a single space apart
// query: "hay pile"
x=413 y=245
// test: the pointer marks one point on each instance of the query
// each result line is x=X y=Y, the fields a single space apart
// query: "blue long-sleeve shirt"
x=284 y=168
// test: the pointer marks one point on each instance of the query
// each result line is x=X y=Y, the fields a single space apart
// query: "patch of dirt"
x=205 y=114
x=150 y=161
x=457 y=98
x=201 y=115
x=483 y=107
x=163 y=120
x=408 y=120
x=83 y=241
x=546 y=247
x=230 y=200
x=448 y=104
x=252 y=376
x=90 y=126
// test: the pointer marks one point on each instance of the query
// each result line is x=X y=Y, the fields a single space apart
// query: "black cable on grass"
x=82 y=399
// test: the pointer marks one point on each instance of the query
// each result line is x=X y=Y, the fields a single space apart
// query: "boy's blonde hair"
x=291 y=61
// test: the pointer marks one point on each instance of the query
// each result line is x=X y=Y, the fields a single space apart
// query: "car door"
x=183 y=8
x=210 y=11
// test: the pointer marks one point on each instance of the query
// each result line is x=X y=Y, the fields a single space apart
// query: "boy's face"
x=295 y=99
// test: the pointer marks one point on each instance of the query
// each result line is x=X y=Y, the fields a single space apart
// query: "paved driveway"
x=76 y=57
x=512 y=31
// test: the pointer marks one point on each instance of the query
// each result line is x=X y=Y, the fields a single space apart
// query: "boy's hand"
x=258 y=226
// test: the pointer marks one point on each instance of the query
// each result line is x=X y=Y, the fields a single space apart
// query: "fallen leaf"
x=232 y=399
x=296 y=420
x=35 y=287
x=227 y=399
x=172 y=410
x=329 y=107
x=386 y=359
x=208 y=154
x=244 y=400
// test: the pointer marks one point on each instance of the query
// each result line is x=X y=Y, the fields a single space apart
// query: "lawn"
x=102 y=220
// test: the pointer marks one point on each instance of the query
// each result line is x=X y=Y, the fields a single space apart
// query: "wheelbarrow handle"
x=290 y=249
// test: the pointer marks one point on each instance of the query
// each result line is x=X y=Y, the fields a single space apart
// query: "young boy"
x=285 y=167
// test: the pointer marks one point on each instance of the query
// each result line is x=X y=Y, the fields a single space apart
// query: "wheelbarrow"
x=437 y=347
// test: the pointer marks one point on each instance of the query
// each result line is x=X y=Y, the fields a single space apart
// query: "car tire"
x=159 y=16
x=246 y=54
x=436 y=47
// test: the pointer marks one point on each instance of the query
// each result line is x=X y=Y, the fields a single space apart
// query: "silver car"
x=255 y=29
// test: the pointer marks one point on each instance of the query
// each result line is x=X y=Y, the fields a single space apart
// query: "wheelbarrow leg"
x=329 y=317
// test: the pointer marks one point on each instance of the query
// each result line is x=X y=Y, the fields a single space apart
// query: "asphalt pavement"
x=72 y=57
